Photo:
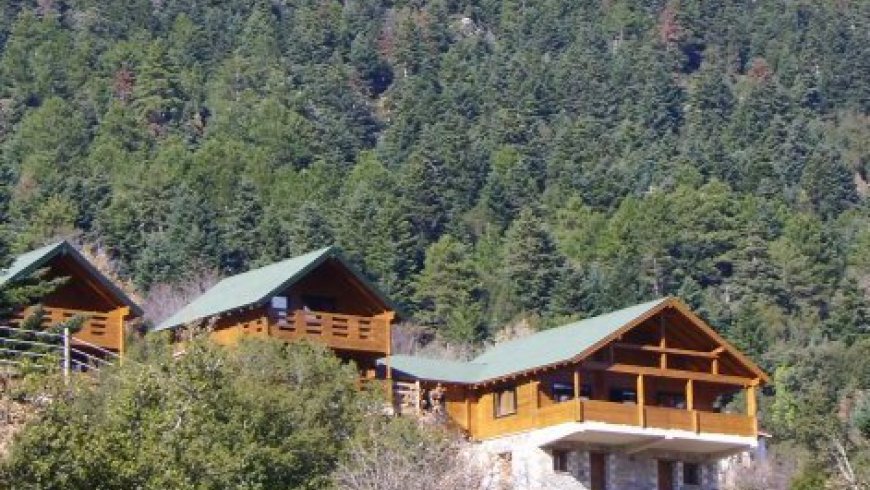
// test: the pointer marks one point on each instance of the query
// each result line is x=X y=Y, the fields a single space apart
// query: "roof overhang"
x=635 y=440
x=318 y=258
x=64 y=249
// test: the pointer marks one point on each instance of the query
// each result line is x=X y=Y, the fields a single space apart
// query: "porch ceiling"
x=633 y=440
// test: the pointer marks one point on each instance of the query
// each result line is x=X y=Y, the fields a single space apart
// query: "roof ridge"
x=561 y=328
x=530 y=352
x=254 y=286
x=276 y=265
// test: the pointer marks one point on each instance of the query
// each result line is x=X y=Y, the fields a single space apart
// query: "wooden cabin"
x=652 y=379
x=316 y=296
x=85 y=293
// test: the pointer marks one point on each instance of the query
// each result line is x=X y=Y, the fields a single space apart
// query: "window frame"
x=671 y=399
x=626 y=396
x=560 y=460
x=497 y=405
x=695 y=472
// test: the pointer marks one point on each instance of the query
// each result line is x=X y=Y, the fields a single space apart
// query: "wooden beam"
x=122 y=313
x=751 y=401
x=641 y=399
x=577 y=384
x=690 y=394
x=665 y=350
x=752 y=407
x=668 y=373
x=536 y=389
x=663 y=344
x=682 y=308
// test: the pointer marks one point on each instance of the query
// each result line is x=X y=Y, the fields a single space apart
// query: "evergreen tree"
x=448 y=290
x=157 y=95
x=532 y=265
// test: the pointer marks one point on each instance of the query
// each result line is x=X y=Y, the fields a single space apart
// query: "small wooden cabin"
x=85 y=292
x=316 y=296
x=651 y=376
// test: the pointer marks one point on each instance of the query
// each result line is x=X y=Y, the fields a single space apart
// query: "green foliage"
x=449 y=290
x=265 y=415
x=533 y=266
x=713 y=151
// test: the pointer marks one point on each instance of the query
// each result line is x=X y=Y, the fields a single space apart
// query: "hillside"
x=482 y=160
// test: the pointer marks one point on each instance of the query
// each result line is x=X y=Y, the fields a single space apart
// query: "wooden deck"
x=102 y=329
x=348 y=332
x=619 y=414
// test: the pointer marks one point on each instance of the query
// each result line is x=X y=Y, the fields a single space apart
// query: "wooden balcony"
x=102 y=329
x=620 y=414
x=356 y=333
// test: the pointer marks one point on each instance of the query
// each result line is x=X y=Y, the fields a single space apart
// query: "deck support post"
x=752 y=406
x=641 y=398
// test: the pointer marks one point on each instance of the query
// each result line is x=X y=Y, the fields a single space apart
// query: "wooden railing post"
x=578 y=403
x=752 y=407
x=641 y=398
x=299 y=322
x=122 y=341
x=690 y=403
x=536 y=401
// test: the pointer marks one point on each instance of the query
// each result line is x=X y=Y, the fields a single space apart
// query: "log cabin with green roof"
x=85 y=293
x=636 y=398
x=317 y=296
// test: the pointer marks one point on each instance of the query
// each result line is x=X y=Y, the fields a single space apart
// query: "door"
x=598 y=471
x=666 y=475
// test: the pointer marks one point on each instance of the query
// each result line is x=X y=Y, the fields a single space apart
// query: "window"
x=691 y=474
x=672 y=400
x=505 y=402
x=504 y=464
x=623 y=395
x=562 y=392
x=560 y=461
x=278 y=308
x=319 y=303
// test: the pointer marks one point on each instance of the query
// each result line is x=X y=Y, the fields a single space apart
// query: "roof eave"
x=65 y=248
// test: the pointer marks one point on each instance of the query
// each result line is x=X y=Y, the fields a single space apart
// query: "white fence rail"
x=20 y=347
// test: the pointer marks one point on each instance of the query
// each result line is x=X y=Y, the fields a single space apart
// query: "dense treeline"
x=482 y=159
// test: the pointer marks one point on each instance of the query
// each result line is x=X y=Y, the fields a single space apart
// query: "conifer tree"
x=448 y=284
x=157 y=95
x=533 y=266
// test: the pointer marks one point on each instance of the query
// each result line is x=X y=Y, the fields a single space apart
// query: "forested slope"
x=482 y=159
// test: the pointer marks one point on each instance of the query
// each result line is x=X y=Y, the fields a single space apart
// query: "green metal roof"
x=28 y=263
x=553 y=346
x=258 y=285
x=435 y=369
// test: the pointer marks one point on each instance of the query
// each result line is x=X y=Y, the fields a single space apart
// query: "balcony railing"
x=338 y=331
x=696 y=421
x=101 y=329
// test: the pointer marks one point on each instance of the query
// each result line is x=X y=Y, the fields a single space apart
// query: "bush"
x=262 y=415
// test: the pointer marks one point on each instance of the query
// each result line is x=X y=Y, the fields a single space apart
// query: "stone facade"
x=525 y=466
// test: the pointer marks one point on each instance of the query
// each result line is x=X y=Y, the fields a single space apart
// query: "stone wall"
x=529 y=467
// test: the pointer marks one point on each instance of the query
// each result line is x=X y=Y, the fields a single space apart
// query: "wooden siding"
x=353 y=338
x=104 y=329
x=347 y=332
